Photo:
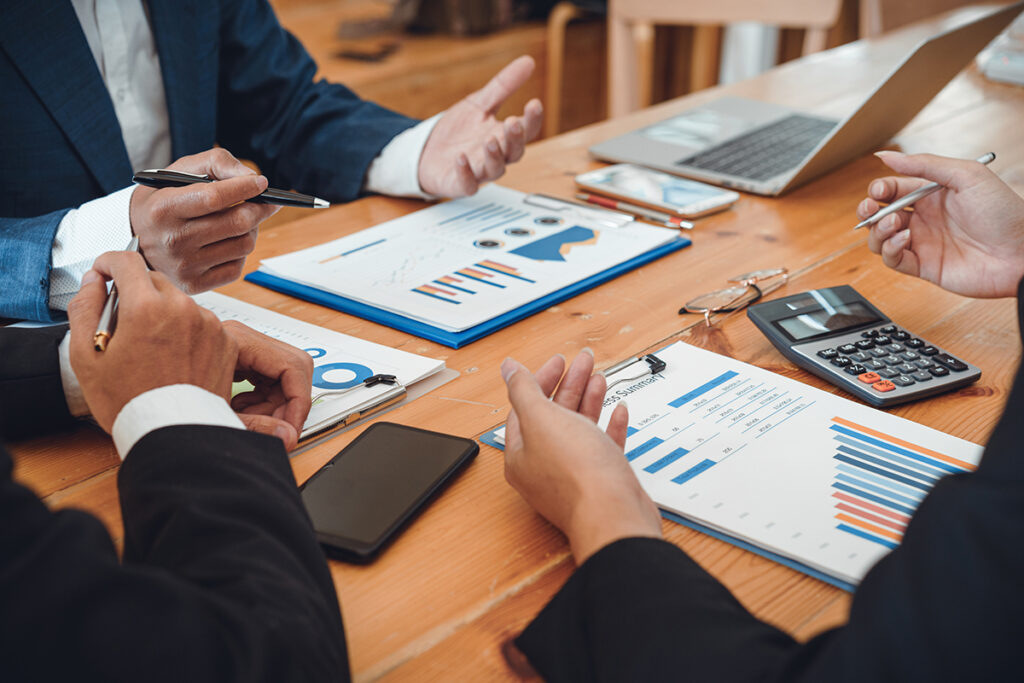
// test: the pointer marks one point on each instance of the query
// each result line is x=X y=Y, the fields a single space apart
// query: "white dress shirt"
x=177 y=404
x=121 y=41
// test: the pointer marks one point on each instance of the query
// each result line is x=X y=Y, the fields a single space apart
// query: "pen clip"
x=390 y=380
x=653 y=365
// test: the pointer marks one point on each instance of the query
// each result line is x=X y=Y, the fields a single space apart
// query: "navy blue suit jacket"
x=232 y=77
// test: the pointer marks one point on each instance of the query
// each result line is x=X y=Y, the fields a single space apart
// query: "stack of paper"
x=461 y=269
x=340 y=362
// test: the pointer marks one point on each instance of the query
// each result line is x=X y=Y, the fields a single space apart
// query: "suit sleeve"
x=25 y=266
x=945 y=605
x=222 y=578
x=313 y=136
x=31 y=393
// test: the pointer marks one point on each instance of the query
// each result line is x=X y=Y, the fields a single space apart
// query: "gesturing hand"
x=469 y=145
x=570 y=471
x=967 y=238
x=199 y=235
x=282 y=377
x=162 y=338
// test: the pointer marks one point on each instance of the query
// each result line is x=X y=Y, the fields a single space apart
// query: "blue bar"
x=859 y=482
x=874 y=499
x=871 y=537
x=888 y=484
x=843 y=457
x=643 y=448
x=435 y=296
x=365 y=246
x=704 y=388
x=906 y=462
x=667 y=460
x=630 y=431
x=896 y=449
x=693 y=471
x=480 y=279
x=445 y=284
x=486 y=208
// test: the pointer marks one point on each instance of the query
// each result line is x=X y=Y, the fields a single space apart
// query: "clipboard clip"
x=651 y=365
x=390 y=380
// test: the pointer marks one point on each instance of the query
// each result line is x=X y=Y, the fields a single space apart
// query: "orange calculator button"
x=884 y=385
x=869 y=377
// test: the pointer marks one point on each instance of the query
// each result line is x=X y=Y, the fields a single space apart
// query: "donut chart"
x=360 y=374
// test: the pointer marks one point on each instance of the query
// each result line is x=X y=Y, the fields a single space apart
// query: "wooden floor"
x=446 y=599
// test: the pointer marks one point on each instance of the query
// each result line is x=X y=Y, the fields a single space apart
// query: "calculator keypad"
x=888 y=360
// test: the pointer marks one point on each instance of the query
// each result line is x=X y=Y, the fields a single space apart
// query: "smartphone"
x=657 y=190
x=366 y=494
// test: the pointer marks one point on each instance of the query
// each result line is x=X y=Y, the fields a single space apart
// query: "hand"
x=283 y=379
x=469 y=146
x=570 y=471
x=967 y=238
x=162 y=338
x=199 y=235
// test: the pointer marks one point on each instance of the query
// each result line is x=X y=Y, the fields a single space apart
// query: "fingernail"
x=517 y=128
x=492 y=147
x=902 y=237
x=508 y=368
x=624 y=404
x=282 y=433
x=90 y=277
x=889 y=221
x=888 y=152
x=587 y=349
x=878 y=188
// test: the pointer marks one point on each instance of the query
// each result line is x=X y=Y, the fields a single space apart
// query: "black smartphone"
x=368 y=492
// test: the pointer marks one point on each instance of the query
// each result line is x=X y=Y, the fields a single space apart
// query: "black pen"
x=161 y=177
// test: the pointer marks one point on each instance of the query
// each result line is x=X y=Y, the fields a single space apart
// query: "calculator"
x=839 y=336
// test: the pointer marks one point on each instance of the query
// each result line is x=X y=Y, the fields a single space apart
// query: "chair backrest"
x=630 y=34
x=880 y=16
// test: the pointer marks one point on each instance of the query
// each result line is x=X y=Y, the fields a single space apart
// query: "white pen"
x=914 y=196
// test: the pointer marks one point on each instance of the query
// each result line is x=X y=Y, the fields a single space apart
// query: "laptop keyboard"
x=764 y=152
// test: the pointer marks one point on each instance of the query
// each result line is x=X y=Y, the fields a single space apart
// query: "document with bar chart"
x=458 y=265
x=815 y=480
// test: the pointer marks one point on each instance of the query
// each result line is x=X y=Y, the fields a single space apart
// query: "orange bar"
x=906 y=444
x=449 y=279
x=435 y=290
x=478 y=273
x=869 y=527
x=498 y=266
x=871 y=506
x=874 y=518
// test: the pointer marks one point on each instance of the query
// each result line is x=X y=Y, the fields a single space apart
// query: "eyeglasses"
x=749 y=288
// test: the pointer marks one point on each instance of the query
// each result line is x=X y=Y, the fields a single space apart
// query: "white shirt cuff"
x=177 y=404
x=396 y=170
x=84 y=233
x=72 y=389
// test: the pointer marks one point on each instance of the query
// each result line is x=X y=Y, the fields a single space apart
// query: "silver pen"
x=914 y=196
x=108 y=318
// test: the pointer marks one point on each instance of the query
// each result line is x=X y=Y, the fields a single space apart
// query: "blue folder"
x=489 y=439
x=457 y=339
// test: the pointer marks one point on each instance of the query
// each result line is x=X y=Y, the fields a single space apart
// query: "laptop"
x=768 y=149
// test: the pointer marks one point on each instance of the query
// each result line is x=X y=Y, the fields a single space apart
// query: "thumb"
x=271 y=426
x=956 y=174
x=85 y=309
x=523 y=391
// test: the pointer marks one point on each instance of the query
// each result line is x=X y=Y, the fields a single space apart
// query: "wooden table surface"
x=444 y=601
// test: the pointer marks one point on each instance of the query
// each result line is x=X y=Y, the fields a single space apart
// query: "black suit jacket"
x=946 y=605
x=222 y=578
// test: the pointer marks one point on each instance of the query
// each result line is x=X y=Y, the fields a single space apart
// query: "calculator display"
x=835 y=318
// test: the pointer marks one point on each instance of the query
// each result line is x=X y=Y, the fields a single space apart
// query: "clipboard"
x=491 y=439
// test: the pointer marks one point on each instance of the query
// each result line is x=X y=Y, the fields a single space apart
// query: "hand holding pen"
x=968 y=238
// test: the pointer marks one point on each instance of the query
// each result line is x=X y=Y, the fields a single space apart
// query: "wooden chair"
x=631 y=37
x=879 y=16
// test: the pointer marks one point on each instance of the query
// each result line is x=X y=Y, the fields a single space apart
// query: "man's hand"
x=570 y=471
x=162 y=338
x=470 y=146
x=282 y=376
x=967 y=238
x=199 y=235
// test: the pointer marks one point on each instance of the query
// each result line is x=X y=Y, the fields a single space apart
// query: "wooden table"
x=445 y=600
